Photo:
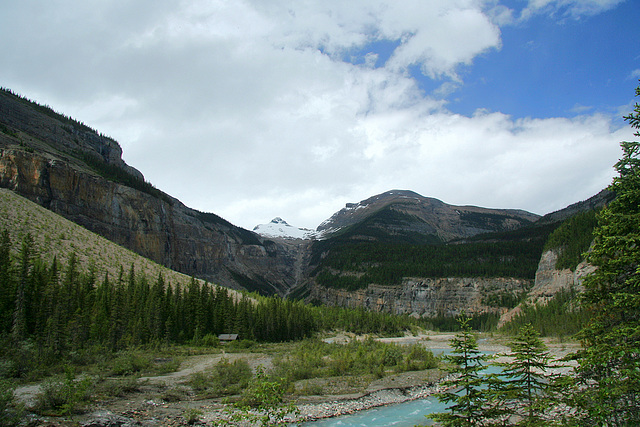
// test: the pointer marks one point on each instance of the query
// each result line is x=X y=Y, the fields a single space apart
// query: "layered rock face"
x=424 y=297
x=550 y=280
x=42 y=159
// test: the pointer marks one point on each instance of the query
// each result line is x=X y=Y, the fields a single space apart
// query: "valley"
x=116 y=297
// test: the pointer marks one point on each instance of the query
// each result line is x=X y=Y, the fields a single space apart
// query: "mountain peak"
x=279 y=228
x=403 y=212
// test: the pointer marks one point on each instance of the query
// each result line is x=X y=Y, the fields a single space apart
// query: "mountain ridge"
x=74 y=171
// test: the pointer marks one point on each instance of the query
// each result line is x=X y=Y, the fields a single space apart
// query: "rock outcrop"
x=424 y=297
x=44 y=158
x=550 y=280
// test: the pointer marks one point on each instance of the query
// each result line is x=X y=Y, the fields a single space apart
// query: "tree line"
x=388 y=264
x=51 y=311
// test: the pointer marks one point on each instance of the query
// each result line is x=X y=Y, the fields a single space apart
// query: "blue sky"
x=253 y=109
x=549 y=67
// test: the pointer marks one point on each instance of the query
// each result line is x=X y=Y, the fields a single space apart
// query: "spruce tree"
x=524 y=384
x=609 y=363
x=7 y=288
x=465 y=390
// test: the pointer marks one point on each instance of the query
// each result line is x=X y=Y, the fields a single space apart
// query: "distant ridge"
x=407 y=213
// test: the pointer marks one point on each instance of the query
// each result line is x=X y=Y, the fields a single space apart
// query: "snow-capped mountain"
x=279 y=228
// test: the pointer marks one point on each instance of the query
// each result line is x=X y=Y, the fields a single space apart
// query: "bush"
x=419 y=358
x=118 y=387
x=11 y=411
x=64 y=396
x=129 y=362
x=222 y=380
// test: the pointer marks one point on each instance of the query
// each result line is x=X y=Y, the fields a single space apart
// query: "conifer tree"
x=19 y=327
x=609 y=363
x=524 y=386
x=7 y=289
x=465 y=391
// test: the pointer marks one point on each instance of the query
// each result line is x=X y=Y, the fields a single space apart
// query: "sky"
x=255 y=109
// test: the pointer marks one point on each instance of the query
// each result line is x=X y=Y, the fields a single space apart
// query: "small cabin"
x=225 y=338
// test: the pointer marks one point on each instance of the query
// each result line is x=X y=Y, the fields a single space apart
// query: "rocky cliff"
x=550 y=280
x=61 y=164
x=425 y=297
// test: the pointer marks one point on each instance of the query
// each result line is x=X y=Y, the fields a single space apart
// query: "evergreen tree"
x=609 y=363
x=524 y=386
x=20 y=315
x=470 y=402
x=7 y=288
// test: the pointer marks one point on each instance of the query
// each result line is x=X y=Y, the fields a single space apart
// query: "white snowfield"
x=279 y=228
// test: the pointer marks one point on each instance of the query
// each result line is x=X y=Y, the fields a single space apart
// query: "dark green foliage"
x=561 y=316
x=356 y=265
x=53 y=315
x=523 y=388
x=484 y=322
x=62 y=396
x=11 y=410
x=572 y=239
x=609 y=363
x=465 y=391
x=504 y=299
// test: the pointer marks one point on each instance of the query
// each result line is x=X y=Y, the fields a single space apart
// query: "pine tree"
x=19 y=327
x=609 y=363
x=465 y=391
x=7 y=286
x=524 y=386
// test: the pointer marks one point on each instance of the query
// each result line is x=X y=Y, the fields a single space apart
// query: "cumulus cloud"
x=254 y=109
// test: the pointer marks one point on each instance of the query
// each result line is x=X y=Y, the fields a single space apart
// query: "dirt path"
x=203 y=362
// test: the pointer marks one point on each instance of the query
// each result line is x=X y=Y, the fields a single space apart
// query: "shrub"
x=11 y=411
x=64 y=396
x=129 y=362
x=222 y=380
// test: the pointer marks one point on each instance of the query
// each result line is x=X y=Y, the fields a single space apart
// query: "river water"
x=407 y=414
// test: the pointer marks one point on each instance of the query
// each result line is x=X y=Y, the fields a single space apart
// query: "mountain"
x=72 y=170
x=408 y=216
x=278 y=228
x=434 y=257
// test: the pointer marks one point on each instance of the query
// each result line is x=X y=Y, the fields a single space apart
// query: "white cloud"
x=247 y=108
x=575 y=9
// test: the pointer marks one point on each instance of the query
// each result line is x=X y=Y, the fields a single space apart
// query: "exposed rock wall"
x=550 y=280
x=168 y=233
x=43 y=157
x=423 y=297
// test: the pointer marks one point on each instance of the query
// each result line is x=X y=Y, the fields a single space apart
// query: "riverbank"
x=168 y=400
x=313 y=412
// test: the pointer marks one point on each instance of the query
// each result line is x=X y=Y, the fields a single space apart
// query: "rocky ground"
x=166 y=400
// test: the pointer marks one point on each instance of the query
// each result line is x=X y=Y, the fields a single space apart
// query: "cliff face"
x=43 y=159
x=550 y=280
x=425 y=297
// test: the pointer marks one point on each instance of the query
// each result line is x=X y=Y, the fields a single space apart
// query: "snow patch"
x=279 y=228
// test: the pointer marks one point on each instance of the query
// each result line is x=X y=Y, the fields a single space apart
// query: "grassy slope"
x=56 y=236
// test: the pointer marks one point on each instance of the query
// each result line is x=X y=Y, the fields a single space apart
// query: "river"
x=407 y=414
